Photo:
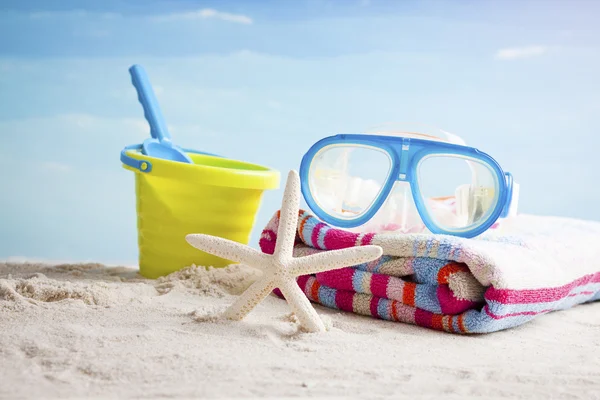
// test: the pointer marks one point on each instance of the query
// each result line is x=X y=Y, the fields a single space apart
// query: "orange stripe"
x=461 y=325
x=301 y=228
x=408 y=294
x=394 y=311
x=451 y=323
x=314 y=290
x=448 y=270
x=436 y=322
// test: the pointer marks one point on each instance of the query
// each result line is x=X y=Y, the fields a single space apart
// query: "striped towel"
x=501 y=279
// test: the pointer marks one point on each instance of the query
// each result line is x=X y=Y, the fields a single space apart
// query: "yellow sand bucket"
x=214 y=195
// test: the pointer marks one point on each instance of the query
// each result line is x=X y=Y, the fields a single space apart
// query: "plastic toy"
x=213 y=195
x=160 y=145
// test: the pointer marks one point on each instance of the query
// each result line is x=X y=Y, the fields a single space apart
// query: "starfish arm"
x=250 y=298
x=228 y=249
x=333 y=259
x=300 y=305
x=288 y=216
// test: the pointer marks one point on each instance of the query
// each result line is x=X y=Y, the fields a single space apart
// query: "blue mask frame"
x=406 y=154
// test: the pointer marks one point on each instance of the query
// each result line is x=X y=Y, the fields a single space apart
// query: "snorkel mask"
x=405 y=182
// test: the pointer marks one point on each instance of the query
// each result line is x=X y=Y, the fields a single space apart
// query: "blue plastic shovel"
x=160 y=146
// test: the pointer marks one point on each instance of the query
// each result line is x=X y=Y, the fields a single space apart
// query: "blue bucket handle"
x=145 y=165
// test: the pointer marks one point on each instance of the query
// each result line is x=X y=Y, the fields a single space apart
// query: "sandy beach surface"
x=91 y=331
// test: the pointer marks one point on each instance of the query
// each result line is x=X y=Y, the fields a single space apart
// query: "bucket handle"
x=145 y=165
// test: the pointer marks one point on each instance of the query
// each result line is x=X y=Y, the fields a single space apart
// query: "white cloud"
x=513 y=53
x=204 y=13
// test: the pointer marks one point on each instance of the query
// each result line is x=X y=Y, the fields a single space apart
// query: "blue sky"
x=262 y=81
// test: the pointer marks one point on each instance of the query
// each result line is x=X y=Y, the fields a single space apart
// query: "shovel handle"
x=146 y=97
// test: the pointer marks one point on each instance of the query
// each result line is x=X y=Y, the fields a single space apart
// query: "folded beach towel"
x=495 y=281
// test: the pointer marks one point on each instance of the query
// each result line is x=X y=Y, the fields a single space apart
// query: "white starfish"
x=281 y=269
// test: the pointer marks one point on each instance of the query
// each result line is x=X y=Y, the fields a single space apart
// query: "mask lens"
x=345 y=180
x=458 y=192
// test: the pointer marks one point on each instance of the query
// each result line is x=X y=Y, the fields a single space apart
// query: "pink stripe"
x=395 y=289
x=508 y=296
x=450 y=304
x=366 y=240
x=302 y=281
x=423 y=318
x=379 y=284
x=488 y=312
x=267 y=241
x=372 y=265
x=495 y=316
x=344 y=300
x=374 y=304
x=405 y=313
x=411 y=265
x=337 y=278
x=338 y=239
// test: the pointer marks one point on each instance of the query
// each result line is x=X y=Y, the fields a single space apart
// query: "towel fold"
x=498 y=280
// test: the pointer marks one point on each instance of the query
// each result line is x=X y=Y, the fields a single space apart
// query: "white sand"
x=89 y=331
